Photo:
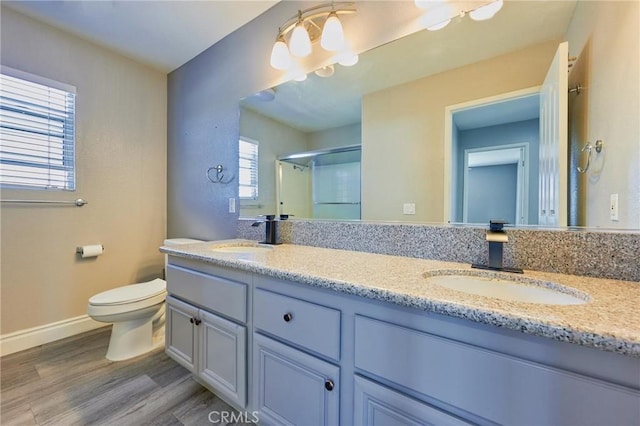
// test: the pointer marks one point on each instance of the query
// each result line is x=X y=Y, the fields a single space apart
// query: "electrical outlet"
x=232 y=205
x=613 y=207
x=409 y=208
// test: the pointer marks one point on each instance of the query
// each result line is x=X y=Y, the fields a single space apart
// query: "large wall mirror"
x=445 y=127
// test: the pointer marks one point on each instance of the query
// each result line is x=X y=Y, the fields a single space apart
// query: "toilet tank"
x=176 y=242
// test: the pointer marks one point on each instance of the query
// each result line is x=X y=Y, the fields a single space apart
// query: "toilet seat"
x=130 y=293
x=127 y=299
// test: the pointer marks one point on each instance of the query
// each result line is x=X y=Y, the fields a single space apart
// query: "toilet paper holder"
x=90 y=250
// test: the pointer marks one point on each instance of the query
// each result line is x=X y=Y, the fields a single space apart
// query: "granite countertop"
x=610 y=320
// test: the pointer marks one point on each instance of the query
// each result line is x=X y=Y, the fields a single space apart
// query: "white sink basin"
x=242 y=248
x=500 y=286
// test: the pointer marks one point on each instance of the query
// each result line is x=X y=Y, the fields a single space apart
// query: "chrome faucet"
x=496 y=236
x=272 y=234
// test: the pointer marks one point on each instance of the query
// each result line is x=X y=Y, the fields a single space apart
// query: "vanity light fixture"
x=300 y=42
x=438 y=13
x=325 y=72
x=296 y=35
x=487 y=11
x=332 y=38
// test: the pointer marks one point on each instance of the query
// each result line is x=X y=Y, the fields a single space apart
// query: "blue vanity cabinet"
x=206 y=328
x=323 y=357
x=223 y=357
x=296 y=348
x=483 y=384
x=292 y=387
x=180 y=332
x=378 y=405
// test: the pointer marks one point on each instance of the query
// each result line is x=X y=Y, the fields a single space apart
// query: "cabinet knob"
x=328 y=385
x=287 y=317
x=192 y=320
x=198 y=322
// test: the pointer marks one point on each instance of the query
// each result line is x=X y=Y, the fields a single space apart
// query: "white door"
x=554 y=141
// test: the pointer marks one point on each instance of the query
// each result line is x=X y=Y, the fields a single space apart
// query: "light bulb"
x=332 y=34
x=487 y=11
x=280 y=57
x=300 y=44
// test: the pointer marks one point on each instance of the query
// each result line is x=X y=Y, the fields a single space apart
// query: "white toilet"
x=132 y=309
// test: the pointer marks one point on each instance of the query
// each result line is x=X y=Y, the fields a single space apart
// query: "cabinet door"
x=223 y=357
x=293 y=388
x=180 y=332
x=377 y=405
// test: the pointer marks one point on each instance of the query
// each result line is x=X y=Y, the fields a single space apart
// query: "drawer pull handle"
x=192 y=320
x=198 y=322
x=287 y=317
x=328 y=385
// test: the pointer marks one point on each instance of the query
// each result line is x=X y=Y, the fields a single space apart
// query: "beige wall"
x=613 y=106
x=403 y=131
x=121 y=172
x=336 y=137
x=274 y=139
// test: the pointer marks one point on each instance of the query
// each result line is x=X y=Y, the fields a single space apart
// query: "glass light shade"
x=300 y=44
x=280 y=57
x=325 y=72
x=299 y=76
x=332 y=34
x=348 y=59
x=439 y=26
x=429 y=4
x=487 y=11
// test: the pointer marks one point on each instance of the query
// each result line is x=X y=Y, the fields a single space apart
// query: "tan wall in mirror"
x=277 y=139
x=613 y=99
x=121 y=171
x=403 y=131
x=274 y=139
x=336 y=137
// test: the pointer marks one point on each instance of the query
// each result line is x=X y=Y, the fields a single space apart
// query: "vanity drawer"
x=216 y=294
x=306 y=324
x=495 y=386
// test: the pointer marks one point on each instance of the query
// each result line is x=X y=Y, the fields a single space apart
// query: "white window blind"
x=37 y=132
x=248 y=170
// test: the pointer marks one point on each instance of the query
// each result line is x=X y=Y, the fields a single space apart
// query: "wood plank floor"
x=69 y=382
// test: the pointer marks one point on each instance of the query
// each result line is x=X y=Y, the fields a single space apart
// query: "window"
x=248 y=181
x=37 y=132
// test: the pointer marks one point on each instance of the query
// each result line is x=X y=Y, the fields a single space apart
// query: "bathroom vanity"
x=314 y=336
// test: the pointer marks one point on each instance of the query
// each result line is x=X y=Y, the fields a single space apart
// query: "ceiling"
x=162 y=34
x=502 y=112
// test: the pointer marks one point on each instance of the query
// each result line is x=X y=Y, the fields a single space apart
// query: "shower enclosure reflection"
x=321 y=184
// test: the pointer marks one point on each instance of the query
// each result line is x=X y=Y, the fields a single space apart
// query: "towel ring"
x=589 y=148
x=219 y=175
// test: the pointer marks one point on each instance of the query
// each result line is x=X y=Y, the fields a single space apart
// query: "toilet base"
x=130 y=339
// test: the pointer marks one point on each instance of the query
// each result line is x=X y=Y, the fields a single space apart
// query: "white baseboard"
x=32 y=337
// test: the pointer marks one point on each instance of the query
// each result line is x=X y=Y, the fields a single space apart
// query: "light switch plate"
x=613 y=207
x=232 y=205
x=409 y=208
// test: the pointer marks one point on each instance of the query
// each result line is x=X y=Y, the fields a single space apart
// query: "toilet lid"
x=130 y=293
